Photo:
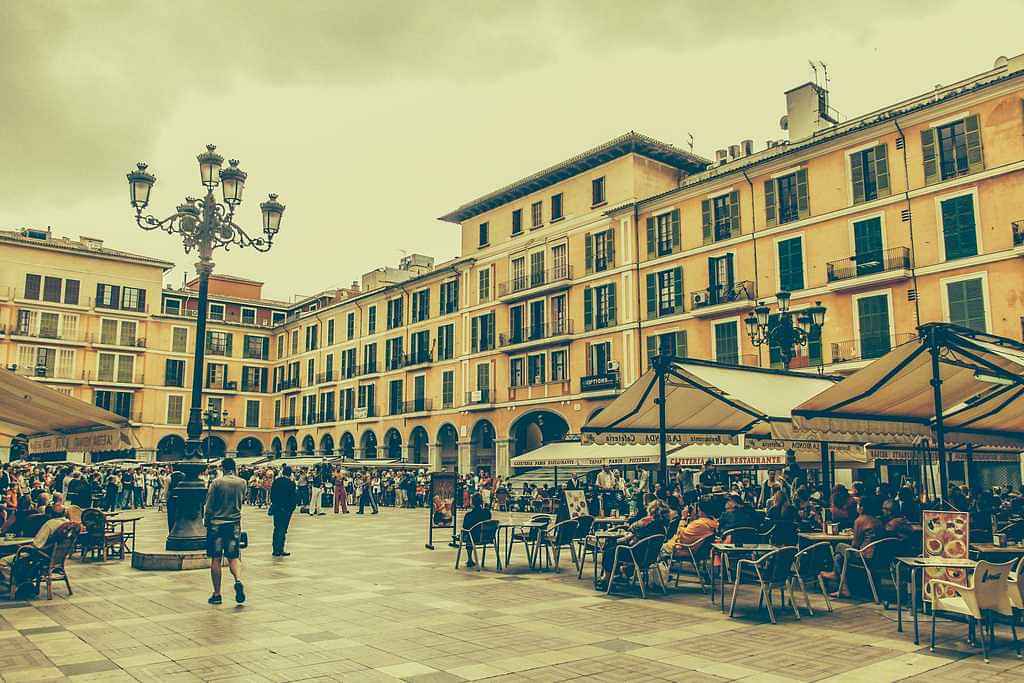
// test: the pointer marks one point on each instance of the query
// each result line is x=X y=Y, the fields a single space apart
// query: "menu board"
x=576 y=502
x=945 y=534
x=442 y=499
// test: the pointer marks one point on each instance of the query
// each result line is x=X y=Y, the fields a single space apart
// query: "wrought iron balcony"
x=869 y=263
x=222 y=384
x=325 y=377
x=218 y=422
x=47 y=333
x=44 y=372
x=529 y=333
x=722 y=294
x=867 y=347
x=118 y=340
x=290 y=421
x=287 y=384
x=252 y=387
x=479 y=397
x=535 y=279
x=117 y=377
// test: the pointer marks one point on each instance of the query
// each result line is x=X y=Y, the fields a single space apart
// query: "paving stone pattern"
x=361 y=599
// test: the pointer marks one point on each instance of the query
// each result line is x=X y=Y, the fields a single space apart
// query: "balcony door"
x=868 y=246
x=721 y=278
x=874 y=325
x=516 y=324
x=537 y=319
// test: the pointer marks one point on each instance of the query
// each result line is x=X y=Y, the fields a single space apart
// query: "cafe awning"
x=708 y=402
x=726 y=455
x=573 y=454
x=893 y=400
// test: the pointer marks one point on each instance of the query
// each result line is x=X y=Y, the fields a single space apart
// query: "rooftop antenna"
x=814 y=68
x=690 y=140
x=824 y=70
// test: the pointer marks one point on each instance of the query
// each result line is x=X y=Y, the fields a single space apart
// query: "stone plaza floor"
x=361 y=599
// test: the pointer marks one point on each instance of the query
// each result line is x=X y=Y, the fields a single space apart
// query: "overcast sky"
x=370 y=119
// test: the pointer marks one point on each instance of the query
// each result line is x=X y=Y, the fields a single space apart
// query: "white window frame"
x=986 y=300
x=277 y=317
x=778 y=264
x=167 y=409
x=246 y=309
x=848 y=167
x=181 y=306
x=855 y=314
x=117 y=366
x=223 y=311
x=740 y=331
x=940 y=224
x=179 y=327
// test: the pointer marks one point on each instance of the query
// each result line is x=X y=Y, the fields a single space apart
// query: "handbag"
x=243 y=539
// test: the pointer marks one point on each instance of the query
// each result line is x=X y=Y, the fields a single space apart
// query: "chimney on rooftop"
x=807 y=111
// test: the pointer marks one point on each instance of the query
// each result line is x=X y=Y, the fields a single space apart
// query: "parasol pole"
x=663 y=362
x=940 y=427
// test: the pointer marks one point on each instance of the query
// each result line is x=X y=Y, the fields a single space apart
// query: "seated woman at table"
x=653 y=523
x=701 y=526
x=783 y=517
x=867 y=528
x=896 y=525
x=738 y=514
x=844 y=508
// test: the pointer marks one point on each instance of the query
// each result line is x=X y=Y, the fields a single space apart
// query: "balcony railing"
x=365 y=412
x=319 y=417
x=217 y=422
x=722 y=294
x=869 y=263
x=414 y=406
x=222 y=384
x=418 y=358
x=1018 y=233
x=130 y=342
x=479 y=397
x=535 y=279
x=325 y=377
x=44 y=372
x=290 y=421
x=116 y=378
x=867 y=347
x=217 y=350
x=554 y=328
x=360 y=370
x=22 y=331
x=286 y=384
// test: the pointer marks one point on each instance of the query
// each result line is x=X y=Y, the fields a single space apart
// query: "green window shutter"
x=610 y=246
x=967 y=304
x=681 y=344
x=770 y=216
x=706 y=221
x=612 y=317
x=231 y=338
x=652 y=295
x=677 y=241
x=929 y=156
x=588 y=308
x=475 y=333
x=490 y=330
x=975 y=157
x=265 y=351
x=734 y=214
x=652 y=347
x=650 y=236
x=882 y=171
x=677 y=275
x=209 y=339
x=802 y=203
x=590 y=253
x=958 y=227
x=857 y=176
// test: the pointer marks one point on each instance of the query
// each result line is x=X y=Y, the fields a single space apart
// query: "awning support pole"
x=940 y=428
x=826 y=484
x=664 y=361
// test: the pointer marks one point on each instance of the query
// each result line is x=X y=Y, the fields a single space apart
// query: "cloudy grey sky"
x=372 y=118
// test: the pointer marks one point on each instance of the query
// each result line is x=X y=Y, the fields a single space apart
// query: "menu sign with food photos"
x=945 y=535
x=576 y=502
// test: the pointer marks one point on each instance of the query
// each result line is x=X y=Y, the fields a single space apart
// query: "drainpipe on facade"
x=639 y=325
x=910 y=221
x=753 y=235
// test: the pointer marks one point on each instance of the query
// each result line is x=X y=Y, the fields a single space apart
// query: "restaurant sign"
x=651 y=439
x=763 y=460
x=599 y=382
x=105 y=440
x=850 y=451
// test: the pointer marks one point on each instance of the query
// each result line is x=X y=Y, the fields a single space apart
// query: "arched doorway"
x=171 y=447
x=292 y=446
x=275 y=447
x=348 y=446
x=393 y=444
x=214 y=448
x=418 y=445
x=368 y=444
x=534 y=429
x=250 y=446
x=308 y=445
x=481 y=446
x=327 y=445
x=448 y=447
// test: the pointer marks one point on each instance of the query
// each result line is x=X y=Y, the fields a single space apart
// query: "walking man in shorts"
x=223 y=517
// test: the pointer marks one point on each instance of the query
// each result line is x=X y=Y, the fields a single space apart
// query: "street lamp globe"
x=272 y=212
x=761 y=312
x=209 y=164
x=817 y=313
x=140 y=183
x=751 y=322
x=783 y=298
x=232 y=180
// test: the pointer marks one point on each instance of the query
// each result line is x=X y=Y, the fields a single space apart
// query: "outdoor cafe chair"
x=874 y=557
x=43 y=565
x=697 y=554
x=643 y=557
x=986 y=594
x=98 y=538
x=74 y=513
x=529 y=538
x=740 y=535
x=480 y=535
x=562 y=535
x=771 y=571
x=808 y=565
x=1016 y=594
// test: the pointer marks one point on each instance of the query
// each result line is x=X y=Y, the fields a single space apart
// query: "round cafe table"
x=11 y=545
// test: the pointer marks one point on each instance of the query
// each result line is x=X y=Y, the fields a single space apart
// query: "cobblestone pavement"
x=361 y=599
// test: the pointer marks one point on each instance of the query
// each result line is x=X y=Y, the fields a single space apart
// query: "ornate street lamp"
x=204 y=225
x=784 y=332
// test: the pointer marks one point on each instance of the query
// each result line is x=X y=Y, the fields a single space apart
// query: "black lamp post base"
x=189 y=496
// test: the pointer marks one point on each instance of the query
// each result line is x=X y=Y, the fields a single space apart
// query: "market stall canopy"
x=892 y=400
x=707 y=402
x=573 y=454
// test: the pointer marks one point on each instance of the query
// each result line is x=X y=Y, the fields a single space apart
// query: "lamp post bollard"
x=204 y=225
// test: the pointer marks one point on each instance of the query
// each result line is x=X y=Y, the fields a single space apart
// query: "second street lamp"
x=783 y=333
x=204 y=225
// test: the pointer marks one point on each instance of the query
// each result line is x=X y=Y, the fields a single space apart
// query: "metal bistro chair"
x=643 y=556
x=43 y=565
x=770 y=571
x=986 y=594
x=740 y=535
x=561 y=535
x=480 y=535
x=697 y=553
x=808 y=565
x=873 y=557
x=97 y=538
x=530 y=539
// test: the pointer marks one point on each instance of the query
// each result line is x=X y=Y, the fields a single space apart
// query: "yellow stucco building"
x=566 y=282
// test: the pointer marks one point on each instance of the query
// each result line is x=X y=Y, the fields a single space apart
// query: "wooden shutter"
x=650 y=236
x=677 y=275
x=142 y=300
x=612 y=317
x=588 y=308
x=802 y=203
x=265 y=349
x=230 y=338
x=929 y=156
x=590 y=253
x=609 y=247
x=490 y=331
x=770 y=216
x=706 y=221
x=209 y=340
x=71 y=292
x=32 y=282
x=857 y=175
x=882 y=171
x=652 y=295
x=677 y=241
x=475 y=334
x=681 y=350
x=975 y=157
x=734 y=214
